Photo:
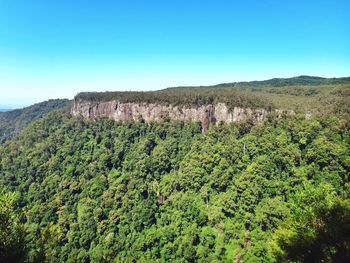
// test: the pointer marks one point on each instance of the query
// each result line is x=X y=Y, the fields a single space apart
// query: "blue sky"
x=54 y=49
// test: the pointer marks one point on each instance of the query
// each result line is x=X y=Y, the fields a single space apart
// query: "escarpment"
x=208 y=115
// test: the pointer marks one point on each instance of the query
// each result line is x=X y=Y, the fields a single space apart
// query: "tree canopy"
x=101 y=191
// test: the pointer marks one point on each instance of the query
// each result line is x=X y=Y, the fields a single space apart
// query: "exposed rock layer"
x=206 y=114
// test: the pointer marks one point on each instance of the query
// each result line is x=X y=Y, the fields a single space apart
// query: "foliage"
x=304 y=94
x=318 y=231
x=12 y=232
x=14 y=121
x=285 y=82
x=101 y=191
x=183 y=97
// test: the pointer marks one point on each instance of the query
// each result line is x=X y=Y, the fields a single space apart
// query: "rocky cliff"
x=206 y=114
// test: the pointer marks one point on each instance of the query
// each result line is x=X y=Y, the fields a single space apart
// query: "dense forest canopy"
x=13 y=121
x=79 y=190
x=301 y=94
x=188 y=97
x=284 y=82
x=101 y=191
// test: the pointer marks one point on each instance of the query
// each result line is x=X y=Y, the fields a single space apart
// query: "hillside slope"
x=301 y=94
x=228 y=103
x=85 y=188
x=13 y=121
x=294 y=81
x=102 y=191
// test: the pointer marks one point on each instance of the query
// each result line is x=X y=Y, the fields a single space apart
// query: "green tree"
x=12 y=232
x=318 y=230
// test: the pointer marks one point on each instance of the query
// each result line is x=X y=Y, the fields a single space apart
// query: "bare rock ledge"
x=206 y=114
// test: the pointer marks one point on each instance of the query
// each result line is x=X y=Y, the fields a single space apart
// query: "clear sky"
x=54 y=49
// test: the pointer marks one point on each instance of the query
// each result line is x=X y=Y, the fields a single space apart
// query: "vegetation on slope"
x=12 y=232
x=189 y=97
x=12 y=122
x=105 y=191
x=302 y=94
x=284 y=82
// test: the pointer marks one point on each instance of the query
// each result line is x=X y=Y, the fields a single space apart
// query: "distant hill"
x=300 y=80
x=13 y=121
x=281 y=82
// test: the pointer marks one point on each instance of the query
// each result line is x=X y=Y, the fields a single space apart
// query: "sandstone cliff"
x=206 y=114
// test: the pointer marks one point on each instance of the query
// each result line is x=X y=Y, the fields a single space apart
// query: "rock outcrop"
x=206 y=114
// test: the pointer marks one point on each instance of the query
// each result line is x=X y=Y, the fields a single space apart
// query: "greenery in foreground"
x=83 y=191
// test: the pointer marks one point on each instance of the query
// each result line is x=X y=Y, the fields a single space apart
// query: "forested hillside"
x=100 y=191
x=302 y=94
x=13 y=121
x=284 y=82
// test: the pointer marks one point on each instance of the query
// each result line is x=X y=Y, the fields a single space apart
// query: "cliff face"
x=206 y=114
